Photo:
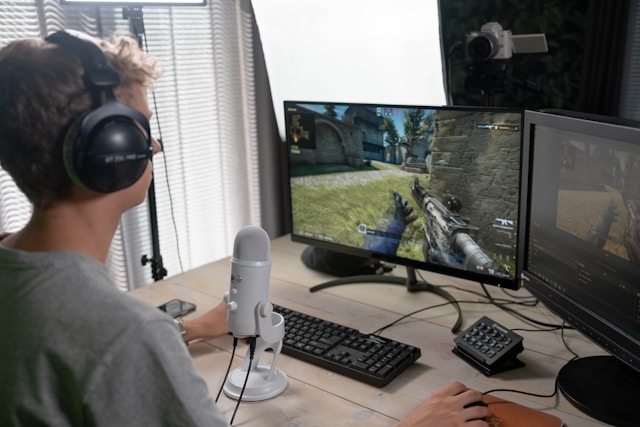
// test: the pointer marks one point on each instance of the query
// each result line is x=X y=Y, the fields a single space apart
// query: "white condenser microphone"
x=250 y=315
x=249 y=282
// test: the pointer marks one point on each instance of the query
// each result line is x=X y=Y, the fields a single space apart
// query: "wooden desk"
x=318 y=397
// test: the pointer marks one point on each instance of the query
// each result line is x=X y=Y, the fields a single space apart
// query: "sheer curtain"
x=206 y=182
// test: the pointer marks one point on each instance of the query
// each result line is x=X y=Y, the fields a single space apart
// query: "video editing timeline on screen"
x=434 y=185
x=587 y=238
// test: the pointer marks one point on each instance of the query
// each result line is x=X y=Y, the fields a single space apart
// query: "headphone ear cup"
x=68 y=150
x=107 y=151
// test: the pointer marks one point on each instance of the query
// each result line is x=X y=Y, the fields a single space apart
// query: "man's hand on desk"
x=446 y=407
x=211 y=324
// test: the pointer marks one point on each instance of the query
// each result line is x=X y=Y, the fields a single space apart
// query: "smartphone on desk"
x=177 y=308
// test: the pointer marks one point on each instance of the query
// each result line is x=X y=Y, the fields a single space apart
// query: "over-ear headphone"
x=105 y=149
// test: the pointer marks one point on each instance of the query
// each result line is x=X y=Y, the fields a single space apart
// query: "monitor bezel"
x=512 y=284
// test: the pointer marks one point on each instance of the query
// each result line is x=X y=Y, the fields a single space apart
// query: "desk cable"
x=233 y=352
x=252 y=351
x=501 y=304
x=555 y=385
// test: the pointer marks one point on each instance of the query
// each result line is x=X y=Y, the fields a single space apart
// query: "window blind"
x=206 y=181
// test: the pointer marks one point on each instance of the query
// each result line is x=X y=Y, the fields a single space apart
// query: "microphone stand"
x=158 y=272
x=253 y=381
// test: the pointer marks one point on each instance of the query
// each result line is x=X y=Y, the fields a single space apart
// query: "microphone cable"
x=233 y=352
x=252 y=351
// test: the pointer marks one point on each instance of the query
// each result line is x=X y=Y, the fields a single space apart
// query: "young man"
x=76 y=351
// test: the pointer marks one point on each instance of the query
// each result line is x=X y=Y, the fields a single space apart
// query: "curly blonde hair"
x=41 y=93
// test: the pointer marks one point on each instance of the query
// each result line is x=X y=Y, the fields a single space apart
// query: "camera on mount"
x=488 y=53
x=492 y=42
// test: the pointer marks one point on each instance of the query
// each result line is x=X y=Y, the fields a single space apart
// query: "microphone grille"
x=251 y=244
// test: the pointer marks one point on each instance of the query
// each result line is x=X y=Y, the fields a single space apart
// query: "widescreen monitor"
x=580 y=254
x=430 y=188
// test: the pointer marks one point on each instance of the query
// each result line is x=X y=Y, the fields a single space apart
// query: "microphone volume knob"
x=266 y=310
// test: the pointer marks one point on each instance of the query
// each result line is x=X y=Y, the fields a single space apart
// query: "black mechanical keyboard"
x=368 y=358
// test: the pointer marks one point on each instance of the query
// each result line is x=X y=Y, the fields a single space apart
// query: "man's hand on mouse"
x=453 y=405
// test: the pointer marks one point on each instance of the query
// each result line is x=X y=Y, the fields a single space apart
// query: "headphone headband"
x=98 y=73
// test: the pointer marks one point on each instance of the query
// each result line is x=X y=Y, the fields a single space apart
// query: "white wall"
x=372 y=51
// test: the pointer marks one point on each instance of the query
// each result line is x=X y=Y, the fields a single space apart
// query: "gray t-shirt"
x=75 y=351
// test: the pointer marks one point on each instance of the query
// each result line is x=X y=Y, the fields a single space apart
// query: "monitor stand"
x=411 y=282
x=603 y=388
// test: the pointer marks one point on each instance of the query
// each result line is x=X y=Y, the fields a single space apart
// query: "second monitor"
x=433 y=188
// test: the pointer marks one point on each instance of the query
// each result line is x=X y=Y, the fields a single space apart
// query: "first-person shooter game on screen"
x=437 y=185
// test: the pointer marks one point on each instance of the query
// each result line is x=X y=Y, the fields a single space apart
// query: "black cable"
x=555 y=386
x=173 y=216
x=564 y=341
x=508 y=390
x=233 y=352
x=388 y=325
x=516 y=313
x=404 y=316
x=510 y=295
x=499 y=302
x=527 y=301
x=449 y=66
x=166 y=168
x=537 y=329
x=158 y=272
x=530 y=300
x=502 y=304
x=252 y=351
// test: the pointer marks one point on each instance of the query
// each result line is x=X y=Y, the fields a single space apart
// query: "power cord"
x=503 y=304
x=515 y=313
x=166 y=168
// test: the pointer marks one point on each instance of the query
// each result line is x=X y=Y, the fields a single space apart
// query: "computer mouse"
x=477 y=403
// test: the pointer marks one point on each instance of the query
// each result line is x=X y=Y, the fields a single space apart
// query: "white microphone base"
x=258 y=386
